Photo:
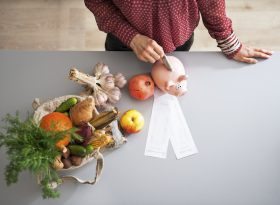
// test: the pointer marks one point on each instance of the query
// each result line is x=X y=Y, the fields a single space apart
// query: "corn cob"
x=104 y=119
x=99 y=133
x=101 y=141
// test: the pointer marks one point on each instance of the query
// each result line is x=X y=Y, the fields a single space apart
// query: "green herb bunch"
x=29 y=147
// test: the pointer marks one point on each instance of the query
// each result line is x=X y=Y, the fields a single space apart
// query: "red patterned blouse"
x=169 y=22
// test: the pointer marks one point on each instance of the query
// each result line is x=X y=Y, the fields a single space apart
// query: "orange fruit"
x=57 y=121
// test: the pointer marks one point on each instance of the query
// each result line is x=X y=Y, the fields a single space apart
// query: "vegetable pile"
x=66 y=132
x=62 y=140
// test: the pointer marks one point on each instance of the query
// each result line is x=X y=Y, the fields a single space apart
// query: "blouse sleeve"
x=219 y=26
x=110 y=20
x=214 y=17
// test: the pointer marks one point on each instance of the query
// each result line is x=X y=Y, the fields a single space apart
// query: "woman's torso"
x=169 y=22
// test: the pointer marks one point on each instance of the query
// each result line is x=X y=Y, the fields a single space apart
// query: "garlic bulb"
x=107 y=81
x=114 y=95
x=100 y=97
x=103 y=86
x=99 y=69
x=120 y=80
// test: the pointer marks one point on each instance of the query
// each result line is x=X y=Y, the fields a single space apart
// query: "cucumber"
x=89 y=149
x=77 y=150
x=66 y=105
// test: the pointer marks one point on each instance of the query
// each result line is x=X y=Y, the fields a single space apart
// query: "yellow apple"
x=132 y=121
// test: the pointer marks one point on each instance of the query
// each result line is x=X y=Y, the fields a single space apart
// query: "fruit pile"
x=93 y=130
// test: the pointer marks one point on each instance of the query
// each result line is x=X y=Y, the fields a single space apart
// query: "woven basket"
x=42 y=109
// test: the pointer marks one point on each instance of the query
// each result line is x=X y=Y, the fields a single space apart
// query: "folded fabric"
x=168 y=123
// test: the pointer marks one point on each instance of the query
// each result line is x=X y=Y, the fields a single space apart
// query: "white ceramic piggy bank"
x=173 y=82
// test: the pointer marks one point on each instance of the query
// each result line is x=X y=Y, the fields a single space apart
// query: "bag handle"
x=99 y=167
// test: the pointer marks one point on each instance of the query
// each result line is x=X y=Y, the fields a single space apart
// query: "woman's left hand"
x=248 y=55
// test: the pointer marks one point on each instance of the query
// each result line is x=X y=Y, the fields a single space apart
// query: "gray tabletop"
x=232 y=110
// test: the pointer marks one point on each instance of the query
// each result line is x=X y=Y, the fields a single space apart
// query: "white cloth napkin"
x=168 y=123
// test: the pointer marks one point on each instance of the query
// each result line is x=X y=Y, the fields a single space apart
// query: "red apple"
x=141 y=87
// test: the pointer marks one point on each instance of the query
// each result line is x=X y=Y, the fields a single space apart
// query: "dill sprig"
x=32 y=148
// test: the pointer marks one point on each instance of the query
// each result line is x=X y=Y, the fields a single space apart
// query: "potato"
x=76 y=160
x=66 y=162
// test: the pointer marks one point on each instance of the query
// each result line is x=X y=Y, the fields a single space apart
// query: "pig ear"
x=182 y=78
x=169 y=84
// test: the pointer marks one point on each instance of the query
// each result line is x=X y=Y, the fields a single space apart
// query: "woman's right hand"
x=146 y=49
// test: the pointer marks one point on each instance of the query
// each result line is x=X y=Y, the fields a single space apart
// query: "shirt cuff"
x=231 y=56
x=230 y=45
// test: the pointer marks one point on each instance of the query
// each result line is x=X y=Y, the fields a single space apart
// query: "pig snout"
x=178 y=89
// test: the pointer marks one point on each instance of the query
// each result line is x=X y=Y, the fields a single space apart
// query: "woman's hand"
x=146 y=49
x=249 y=55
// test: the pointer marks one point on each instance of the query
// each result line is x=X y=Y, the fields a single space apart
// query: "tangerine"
x=57 y=121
